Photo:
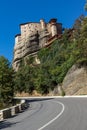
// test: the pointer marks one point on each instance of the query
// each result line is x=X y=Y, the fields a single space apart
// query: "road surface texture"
x=50 y=114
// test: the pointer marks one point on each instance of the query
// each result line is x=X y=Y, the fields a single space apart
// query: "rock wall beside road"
x=75 y=82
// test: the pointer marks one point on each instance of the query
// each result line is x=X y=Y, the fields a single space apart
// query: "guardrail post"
x=1 y=115
x=13 y=111
x=7 y=113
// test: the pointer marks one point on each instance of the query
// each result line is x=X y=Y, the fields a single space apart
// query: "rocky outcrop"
x=75 y=82
x=32 y=44
x=33 y=37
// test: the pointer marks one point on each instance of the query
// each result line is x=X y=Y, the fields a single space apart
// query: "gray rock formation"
x=75 y=82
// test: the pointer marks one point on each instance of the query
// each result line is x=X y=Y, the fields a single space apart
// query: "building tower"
x=53 y=26
x=42 y=24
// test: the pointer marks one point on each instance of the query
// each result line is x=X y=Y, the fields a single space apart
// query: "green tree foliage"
x=6 y=81
x=77 y=27
x=19 y=80
x=42 y=80
x=24 y=79
x=82 y=43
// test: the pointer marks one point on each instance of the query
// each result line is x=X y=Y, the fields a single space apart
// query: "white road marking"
x=63 y=108
x=44 y=97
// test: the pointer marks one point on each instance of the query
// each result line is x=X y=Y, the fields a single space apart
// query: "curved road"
x=50 y=114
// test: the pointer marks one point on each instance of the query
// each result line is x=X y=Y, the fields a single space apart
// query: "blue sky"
x=15 y=12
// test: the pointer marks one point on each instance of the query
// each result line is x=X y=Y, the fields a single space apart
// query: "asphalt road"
x=50 y=114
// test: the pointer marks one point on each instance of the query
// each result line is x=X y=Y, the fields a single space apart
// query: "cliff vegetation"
x=55 y=61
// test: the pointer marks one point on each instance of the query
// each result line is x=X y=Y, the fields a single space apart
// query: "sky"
x=15 y=12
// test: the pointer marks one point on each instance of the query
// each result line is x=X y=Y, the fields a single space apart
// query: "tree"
x=29 y=78
x=24 y=79
x=6 y=81
x=19 y=80
x=85 y=7
x=43 y=80
x=82 y=42
x=77 y=26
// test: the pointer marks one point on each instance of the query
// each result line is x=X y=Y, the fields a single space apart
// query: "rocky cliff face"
x=75 y=82
x=21 y=50
x=30 y=46
x=33 y=37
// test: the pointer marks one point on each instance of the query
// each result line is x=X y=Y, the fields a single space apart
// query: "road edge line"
x=51 y=121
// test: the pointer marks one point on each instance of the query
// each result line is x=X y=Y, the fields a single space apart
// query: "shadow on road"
x=6 y=124
x=38 y=100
